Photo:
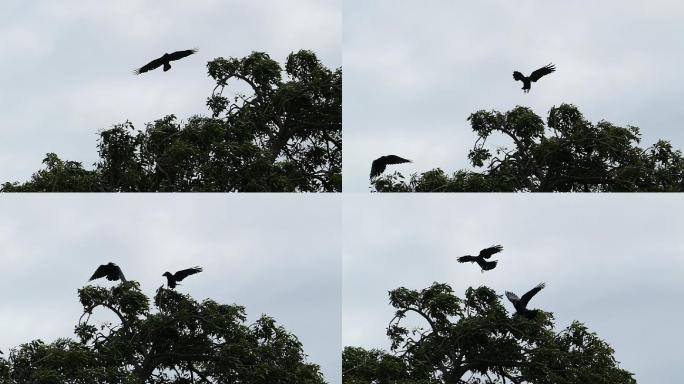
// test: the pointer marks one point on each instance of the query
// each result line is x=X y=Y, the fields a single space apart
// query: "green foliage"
x=474 y=341
x=284 y=136
x=181 y=341
x=569 y=154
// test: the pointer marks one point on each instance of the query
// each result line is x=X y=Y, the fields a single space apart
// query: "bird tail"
x=167 y=66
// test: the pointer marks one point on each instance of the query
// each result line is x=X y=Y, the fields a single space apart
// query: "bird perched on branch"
x=536 y=75
x=480 y=259
x=110 y=270
x=520 y=304
x=381 y=163
x=173 y=279
x=165 y=61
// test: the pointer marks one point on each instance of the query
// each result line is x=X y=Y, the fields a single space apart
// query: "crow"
x=536 y=75
x=173 y=279
x=520 y=304
x=110 y=270
x=165 y=61
x=380 y=164
x=480 y=259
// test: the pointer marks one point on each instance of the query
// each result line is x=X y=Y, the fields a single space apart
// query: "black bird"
x=520 y=304
x=173 y=279
x=165 y=61
x=480 y=259
x=110 y=270
x=380 y=164
x=536 y=75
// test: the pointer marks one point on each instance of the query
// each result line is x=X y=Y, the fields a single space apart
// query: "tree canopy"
x=474 y=341
x=568 y=154
x=285 y=134
x=180 y=341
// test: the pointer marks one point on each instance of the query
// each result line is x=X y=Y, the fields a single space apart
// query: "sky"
x=415 y=71
x=66 y=68
x=613 y=262
x=278 y=256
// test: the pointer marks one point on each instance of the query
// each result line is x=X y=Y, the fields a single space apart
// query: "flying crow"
x=173 y=279
x=110 y=270
x=380 y=164
x=536 y=75
x=165 y=61
x=480 y=259
x=520 y=304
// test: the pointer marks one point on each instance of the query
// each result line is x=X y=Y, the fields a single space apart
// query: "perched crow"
x=110 y=270
x=536 y=75
x=172 y=279
x=165 y=61
x=520 y=304
x=480 y=259
x=380 y=164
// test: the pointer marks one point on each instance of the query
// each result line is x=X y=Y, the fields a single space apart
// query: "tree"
x=569 y=154
x=474 y=340
x=284 y=135
x=183 y=341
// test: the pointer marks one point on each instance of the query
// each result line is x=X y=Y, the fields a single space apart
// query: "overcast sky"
x=614 y=262
x=278 y=256
x=66 y=67
x=415 y=71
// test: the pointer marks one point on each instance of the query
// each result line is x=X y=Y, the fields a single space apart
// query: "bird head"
x=167 y=274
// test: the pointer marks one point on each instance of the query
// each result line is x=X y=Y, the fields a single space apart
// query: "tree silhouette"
x=474 y=340
x=284 y=135
x=568 y=154
x=182 y=341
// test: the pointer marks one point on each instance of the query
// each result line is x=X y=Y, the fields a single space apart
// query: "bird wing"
x=488 y=252
x=180 y=275
x=467 y=258
x=181 y=54
x=101 y=271
x=486 y=265
x=393 y=159
x=512 y=297
x=120 y=273
x=377 y=168
x=526 y=297
x=518 y=76
x=154 y=64
x=543 y=71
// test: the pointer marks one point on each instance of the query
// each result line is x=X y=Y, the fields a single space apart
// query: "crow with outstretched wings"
x=536 y=75
x=520 y=304
x=480 y=259
x=379 y=164
x=173 y=279
x=110 y=270
x=165 y=61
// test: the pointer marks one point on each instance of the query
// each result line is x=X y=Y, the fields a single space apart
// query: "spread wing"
x=518 y=76
x=543 y=71
x=526 y=297
x=101 y=271
x=154 y=64
x=180 y=275
x=488 y=252
x=181 y=54
x=120 y=273
x=380 y=164
x=512 y=297
x=467 y=258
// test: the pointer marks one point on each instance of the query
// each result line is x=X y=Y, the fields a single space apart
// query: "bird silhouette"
x=536 y=75
x=110 y=270
x=480 y=259
x=165 y=61
x=379 y=164
x=520 y=304
x=173 y=279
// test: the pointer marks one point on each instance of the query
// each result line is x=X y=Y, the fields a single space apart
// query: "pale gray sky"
x=66 y=67
x=613 y=262
x=278 y=255
x=415 y=71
